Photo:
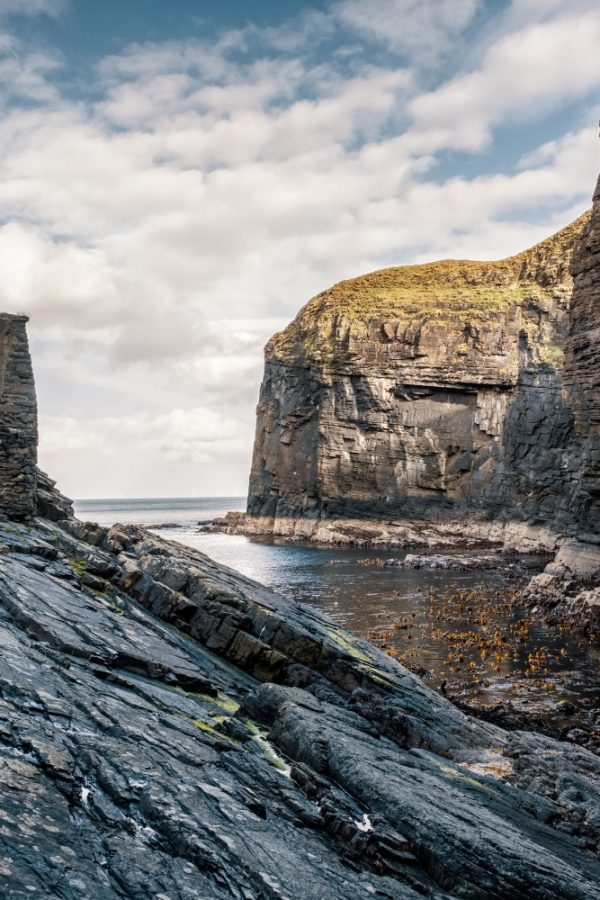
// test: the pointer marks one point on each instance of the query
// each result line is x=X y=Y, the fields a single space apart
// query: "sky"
x=178 y=179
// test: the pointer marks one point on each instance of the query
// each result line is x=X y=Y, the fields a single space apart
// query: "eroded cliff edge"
x=422 y=403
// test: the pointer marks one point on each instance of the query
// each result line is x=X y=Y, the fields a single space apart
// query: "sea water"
x=464 y=627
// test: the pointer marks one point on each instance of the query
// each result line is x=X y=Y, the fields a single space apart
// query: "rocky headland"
x=451 y=405
x=171 y=729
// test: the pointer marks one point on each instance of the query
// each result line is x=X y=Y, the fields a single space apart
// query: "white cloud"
x=177 y=432
x=524 y=74
x=51 y=279
x=119 y=453
x=25 y=76
x=421 y=29
x=32 y=7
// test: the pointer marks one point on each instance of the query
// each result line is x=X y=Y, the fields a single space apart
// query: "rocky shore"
x=403 y=534
x=169 y=728
x=441 y=407
x=174 y=730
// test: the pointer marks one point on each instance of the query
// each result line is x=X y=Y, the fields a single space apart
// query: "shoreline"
x=476 y=556
x=568 y=589
x=182 y=698
x=409 y=534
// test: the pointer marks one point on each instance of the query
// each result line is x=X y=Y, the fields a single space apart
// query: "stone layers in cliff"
x=429 y=394
x=582 y=356
x=18 y=420
x=24 y=489
x=579 y=554
x=582 y=367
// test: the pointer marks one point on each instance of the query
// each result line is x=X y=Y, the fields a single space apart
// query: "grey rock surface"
x=170 y=729
x=18 y=420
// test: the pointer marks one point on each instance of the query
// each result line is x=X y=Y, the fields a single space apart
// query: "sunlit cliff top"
x=450 y=293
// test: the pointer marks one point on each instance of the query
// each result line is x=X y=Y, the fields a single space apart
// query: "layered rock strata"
x=429 y=404
x=582 y=374
x=24 y=489
x=171 y=729
x=578 y=558
x=18 y=420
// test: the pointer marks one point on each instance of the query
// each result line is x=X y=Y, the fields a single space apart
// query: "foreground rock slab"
x=171 y=729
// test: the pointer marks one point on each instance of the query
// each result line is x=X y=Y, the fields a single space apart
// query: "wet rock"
x=187 y=733
x=482 y=561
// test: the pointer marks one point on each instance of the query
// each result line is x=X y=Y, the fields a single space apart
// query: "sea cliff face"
x=18 y=420
x=437 y=396
x=24 y=489
x=579 y=553
x=582 y=371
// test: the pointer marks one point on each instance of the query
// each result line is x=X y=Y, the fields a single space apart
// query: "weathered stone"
x=51 y=504
x=456 y=409
x=434 y=405
x=135 y=761
x=18 y=421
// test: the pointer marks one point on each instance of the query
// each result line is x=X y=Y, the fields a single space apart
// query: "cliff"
x=432 y=399
x=579 y=553
x=18 y=420
x=582 y=356
x=24 y=489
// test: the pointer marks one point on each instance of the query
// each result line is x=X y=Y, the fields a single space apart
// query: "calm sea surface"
x=465 y=627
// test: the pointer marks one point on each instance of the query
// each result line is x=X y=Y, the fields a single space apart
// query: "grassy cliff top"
x=447 y=292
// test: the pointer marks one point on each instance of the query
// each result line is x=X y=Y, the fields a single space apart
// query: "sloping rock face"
x=171 y=729
x=434 y=394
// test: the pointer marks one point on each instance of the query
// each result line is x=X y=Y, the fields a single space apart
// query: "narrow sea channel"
x=464 y=630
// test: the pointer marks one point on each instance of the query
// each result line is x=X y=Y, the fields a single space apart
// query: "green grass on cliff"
x=446 y=295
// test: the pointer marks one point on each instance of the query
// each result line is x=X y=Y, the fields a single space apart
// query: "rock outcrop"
x=18 y=420
x=582 y=374
x=171 y=729
x=578 y=559
x=426 y=403
x=24 y=489
x=582 y=356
